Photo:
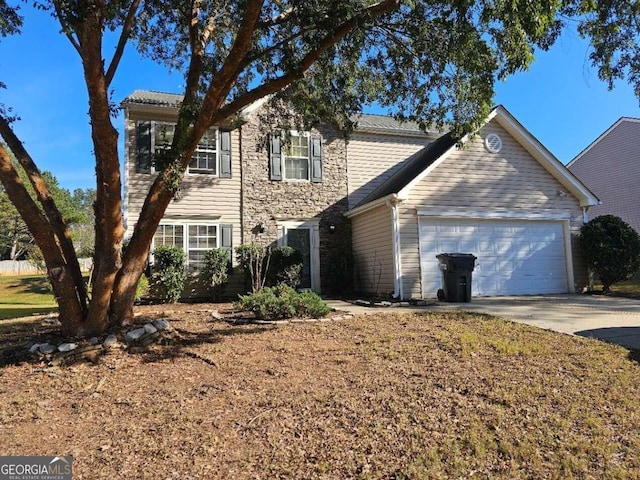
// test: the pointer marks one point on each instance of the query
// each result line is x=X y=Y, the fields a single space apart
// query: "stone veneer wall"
x=265 y=201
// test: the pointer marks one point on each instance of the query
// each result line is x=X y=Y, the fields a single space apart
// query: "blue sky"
x=560 y=100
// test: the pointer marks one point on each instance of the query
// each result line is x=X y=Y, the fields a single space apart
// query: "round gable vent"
x=493 y=142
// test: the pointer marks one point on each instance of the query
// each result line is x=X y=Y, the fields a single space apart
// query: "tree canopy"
x=431 y=61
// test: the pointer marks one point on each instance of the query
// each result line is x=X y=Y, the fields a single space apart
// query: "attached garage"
x=501 y=196
x=513 y=257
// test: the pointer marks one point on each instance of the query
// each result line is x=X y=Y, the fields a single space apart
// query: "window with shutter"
x=211 y=157
x=299 y=160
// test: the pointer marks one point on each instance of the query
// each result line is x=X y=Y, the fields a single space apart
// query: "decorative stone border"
x=69 y=352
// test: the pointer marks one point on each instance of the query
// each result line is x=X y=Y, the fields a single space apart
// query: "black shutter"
x=226 y=242
x=143 y=147
x=275 y=157
x=315 y=158
x=224 y=138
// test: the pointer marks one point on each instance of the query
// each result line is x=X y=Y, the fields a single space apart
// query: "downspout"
x=125 y=200
x=397 y=258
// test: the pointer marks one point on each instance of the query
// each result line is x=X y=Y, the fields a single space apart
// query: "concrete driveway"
x=612 y=319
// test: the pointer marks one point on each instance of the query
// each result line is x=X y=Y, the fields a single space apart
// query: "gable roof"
x=620 y=121
x=423 y=162
x=412 y=168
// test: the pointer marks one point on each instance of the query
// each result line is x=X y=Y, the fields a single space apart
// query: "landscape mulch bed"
x=393 y=395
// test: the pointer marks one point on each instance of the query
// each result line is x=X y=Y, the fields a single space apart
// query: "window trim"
x=185 y=239
x=188 y=171
x=296 y=133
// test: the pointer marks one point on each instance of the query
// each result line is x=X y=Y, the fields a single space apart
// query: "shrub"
x=611 y=248
x=215 y=272
x=254 y=260
x=142 y=289
x=168 y=274
x=285 y=267
x=281 y=302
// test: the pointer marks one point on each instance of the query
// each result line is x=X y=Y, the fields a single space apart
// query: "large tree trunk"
x=109 y=227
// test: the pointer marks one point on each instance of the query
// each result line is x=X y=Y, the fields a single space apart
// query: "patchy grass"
x=21 y=296
x=382 y=396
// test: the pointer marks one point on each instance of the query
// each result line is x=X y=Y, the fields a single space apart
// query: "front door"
x=303 y=235
x=300 y=239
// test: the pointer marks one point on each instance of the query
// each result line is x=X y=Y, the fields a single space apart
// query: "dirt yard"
x=378 y=396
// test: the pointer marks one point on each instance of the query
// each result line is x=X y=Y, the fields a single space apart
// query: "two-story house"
x=374 y=209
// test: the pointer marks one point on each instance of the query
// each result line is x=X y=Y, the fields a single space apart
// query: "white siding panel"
x=373 y=158
x=373 y=250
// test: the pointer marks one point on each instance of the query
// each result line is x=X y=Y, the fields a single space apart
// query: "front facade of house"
x=609 y=167
x=377 y=208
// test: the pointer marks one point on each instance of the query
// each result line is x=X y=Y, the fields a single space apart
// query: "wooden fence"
x=24 y=267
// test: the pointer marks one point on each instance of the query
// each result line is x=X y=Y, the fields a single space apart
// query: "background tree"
x=611 y=249
x=16 y=241
x=428 y=60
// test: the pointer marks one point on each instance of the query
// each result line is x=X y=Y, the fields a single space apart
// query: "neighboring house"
x=392 y=196
x=610 y=167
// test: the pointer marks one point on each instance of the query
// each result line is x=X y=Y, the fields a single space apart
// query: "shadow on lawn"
x=15 y=336
x=179 y=347
x=627 y=337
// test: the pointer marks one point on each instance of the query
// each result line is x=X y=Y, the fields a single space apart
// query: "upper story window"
x=296 y=158
x=299 y=159
x=205 y=158
x=211 y=157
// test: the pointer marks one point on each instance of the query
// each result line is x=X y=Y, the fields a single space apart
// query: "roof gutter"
x=371 y=205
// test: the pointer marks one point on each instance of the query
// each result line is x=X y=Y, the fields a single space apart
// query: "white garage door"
x=514 y=257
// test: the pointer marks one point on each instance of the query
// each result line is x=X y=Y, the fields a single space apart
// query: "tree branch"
x=122 y=41
x=283 y=81
x=65 y=26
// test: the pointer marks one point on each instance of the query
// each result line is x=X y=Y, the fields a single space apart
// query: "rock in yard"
x=67 y=347
x=110 y=341
x=94 y=340
x=133 y=335
x=34 y=347
x=47 y=348
x=149 y=328
x=383 y=304
x=161 y=324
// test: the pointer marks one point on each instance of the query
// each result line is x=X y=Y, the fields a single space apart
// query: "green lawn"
x=24 y=295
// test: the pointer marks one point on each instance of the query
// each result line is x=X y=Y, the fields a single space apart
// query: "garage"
x=515 y=257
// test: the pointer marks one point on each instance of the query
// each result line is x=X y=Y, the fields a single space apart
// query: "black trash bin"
x=456 y=275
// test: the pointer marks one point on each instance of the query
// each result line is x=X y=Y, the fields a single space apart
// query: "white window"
x=296 y=157
x=198 y=239
x=205 y=158
x=169 y=235
x=201 y=239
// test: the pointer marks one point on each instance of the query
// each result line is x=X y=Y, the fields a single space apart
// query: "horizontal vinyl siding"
x=410 y=253
x=373 y=251
x=373 y=158
x=610 y=170
x=202 y=199
x=474 y=179
x=201 y=195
